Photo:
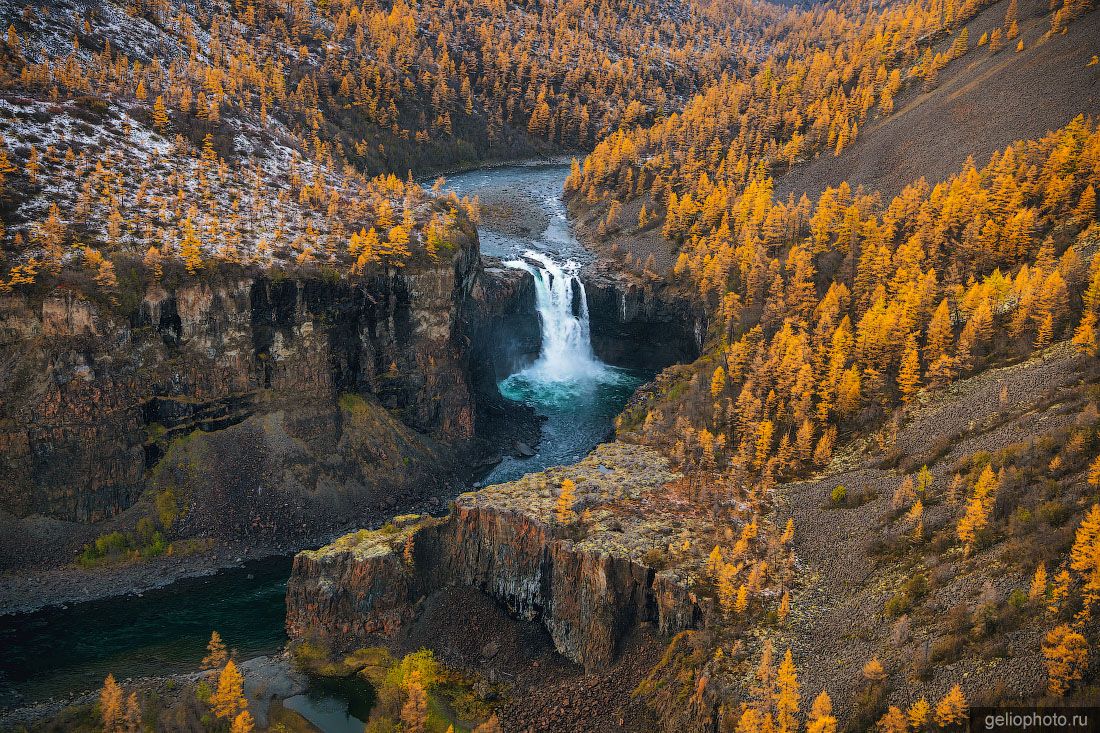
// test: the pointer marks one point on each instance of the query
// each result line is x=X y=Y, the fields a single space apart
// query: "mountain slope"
x=983 y=102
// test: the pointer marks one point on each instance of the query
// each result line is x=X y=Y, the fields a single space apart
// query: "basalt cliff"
x=247 y=404
x=257 y=406
x=629 y=556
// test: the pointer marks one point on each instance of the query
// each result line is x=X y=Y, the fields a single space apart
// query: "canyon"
x=588 y=585
x=266 y=406
x=310 y=390
x=275 y=412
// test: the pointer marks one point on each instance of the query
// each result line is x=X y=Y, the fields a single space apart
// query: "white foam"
x=566 y=354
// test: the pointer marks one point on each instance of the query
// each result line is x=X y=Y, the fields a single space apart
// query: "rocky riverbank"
x=268 y=680
x=31 y=589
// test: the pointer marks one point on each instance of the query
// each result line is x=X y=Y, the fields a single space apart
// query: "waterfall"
x=566 y=354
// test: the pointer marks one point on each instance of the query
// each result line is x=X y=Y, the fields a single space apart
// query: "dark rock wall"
x=587 y=598
x=646 y=326
x=94 y=398
x=503 y=327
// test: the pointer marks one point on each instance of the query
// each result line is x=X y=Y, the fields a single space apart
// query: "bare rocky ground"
x=541 y=690
x=837 y=621
x=626 y=251
x=983 y=102
x=514 y=213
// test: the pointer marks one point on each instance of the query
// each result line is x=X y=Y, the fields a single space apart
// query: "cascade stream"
x=566 y=355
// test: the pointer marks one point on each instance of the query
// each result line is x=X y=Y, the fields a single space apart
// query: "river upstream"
x=59 y=651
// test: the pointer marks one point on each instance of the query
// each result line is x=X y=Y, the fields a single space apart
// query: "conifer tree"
x=7 y=169
x=976 y=516
x=784 y=607
x=243 y=723
x=216 y=654
x=1066 y=654
x=228 y=700
x=110 y=705
x=787 y=696
x=563 y=510
x=918 y=714
x=1085 y=337
x=414 y=713
x=821 y=718
x=132 y=721
x=893 y=721
x=741 y=602
x=873 y=670
x=34 y=166
x=952 y=708
x=909 y=375
x=1059 y=592
x=1085 y=558
x=190 y=248
x=1086 y=205
x=714 y=564
x=1038 y=589
x=160 y=114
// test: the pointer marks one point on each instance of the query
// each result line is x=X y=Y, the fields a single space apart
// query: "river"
x=58 y=651
x=524 y=222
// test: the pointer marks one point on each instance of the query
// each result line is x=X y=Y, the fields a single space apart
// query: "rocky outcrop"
x=503 y=326
x=98 y=394
x=641 y=324
x=589 y=582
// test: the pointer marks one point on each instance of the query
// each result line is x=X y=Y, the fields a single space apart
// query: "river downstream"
x=63 y=650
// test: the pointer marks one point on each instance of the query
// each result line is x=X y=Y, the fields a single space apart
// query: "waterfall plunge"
x=566 y=356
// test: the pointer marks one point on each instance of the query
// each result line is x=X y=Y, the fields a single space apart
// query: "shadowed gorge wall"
x=649 y=326
x=94 y=397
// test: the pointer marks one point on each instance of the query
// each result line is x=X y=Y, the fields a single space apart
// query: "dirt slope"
x=839 y=620
x=983 y=102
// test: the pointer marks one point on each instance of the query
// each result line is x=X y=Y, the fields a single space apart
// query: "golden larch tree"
x=160 y=114
x=563 y=510
x=1038 y=589
x=976 y=516
x=110 y=705
x=893 y=721
x=952 y=708
x=216 y=655
x=1085 y=559
x=414 y=713
x=243 y=723
x=918 y=714
x=1065 y=652
x=132 y=722
x=787 y=698
x=909 y=374
x=228 y=700
x=190 y=247
x=821 y=718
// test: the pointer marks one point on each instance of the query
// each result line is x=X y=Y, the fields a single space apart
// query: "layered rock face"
x=229 y=379
x=648 y=325
x=504 y=327
x=589 y=581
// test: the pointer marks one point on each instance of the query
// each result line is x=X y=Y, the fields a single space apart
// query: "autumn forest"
x=280 y=275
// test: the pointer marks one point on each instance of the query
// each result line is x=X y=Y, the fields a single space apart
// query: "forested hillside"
x=839 y=311
x=878 y=500
x=250 y=130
